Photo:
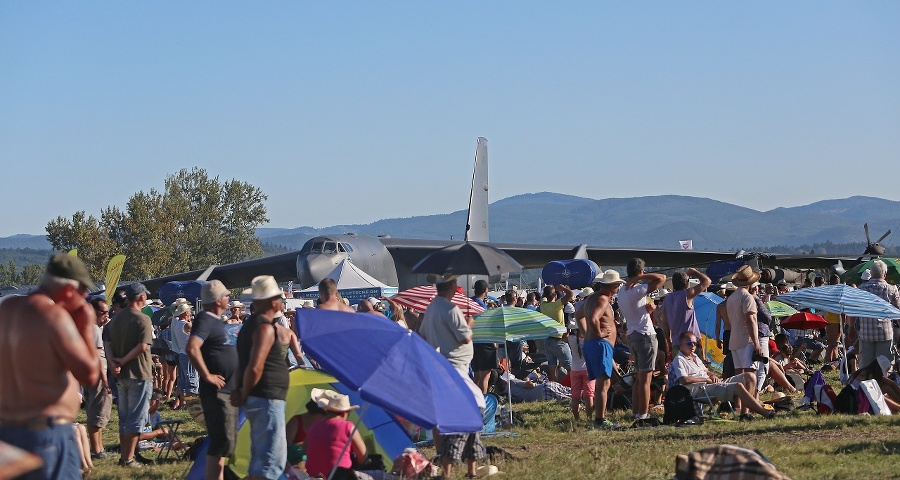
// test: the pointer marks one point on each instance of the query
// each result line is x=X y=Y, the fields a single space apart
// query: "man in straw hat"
x=130 y=337
x=216 y=361
x=262 y=347
x=188 y=379
x=597 y=320
x=55 y=326
x=327 y=439
x=742 y=310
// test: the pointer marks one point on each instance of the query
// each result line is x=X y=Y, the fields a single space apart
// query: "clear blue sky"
x=348 y=112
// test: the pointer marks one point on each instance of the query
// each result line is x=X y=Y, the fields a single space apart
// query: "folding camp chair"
x=171 y=427
x=701 y=403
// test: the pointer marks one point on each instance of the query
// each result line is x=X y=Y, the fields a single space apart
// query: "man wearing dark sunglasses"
x=689 y=370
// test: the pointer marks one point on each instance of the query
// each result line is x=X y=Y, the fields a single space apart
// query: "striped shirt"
x=878 y=329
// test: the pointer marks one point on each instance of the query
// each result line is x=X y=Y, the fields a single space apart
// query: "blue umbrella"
x=391 y=367
x=840 y=299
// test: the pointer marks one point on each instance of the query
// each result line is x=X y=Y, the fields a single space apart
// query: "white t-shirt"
x=578 y=363
x=179 y=337
x=633 y=305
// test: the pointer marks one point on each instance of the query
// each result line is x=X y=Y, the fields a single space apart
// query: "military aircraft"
x=390 y=260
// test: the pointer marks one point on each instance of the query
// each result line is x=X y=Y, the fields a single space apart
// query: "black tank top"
x=273 y=384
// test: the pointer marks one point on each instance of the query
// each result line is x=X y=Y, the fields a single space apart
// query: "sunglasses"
x=691 y=344
x=102 y=312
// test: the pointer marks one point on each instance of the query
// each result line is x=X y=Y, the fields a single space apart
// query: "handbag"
x=875 y=397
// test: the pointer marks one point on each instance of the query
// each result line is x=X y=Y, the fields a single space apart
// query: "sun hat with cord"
x=331 y=400
x=745 y=276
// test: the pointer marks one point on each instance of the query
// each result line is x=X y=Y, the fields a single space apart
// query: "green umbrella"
x=779 y=309
x=509 y=324
x=854 y=275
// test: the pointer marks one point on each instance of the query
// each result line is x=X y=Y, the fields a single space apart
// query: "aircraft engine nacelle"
x=775 y=275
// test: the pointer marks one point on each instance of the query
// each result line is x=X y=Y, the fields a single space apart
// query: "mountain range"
x=644 y=222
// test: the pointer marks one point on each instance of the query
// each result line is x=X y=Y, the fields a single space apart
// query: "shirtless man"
x=40 y=399
x=597 y=320
x=329 y=298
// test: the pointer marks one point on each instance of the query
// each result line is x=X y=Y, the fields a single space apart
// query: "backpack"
x=824 y=398
x=845 y=402
x=678 y=405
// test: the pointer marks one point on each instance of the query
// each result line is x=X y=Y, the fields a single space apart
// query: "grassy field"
x=550 y=445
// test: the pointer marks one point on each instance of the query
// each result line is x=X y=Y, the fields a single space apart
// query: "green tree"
x=197 y=221
x=31 y=274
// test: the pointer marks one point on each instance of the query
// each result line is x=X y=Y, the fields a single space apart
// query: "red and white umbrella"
x=418 y=298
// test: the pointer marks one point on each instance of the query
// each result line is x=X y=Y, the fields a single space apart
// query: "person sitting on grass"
x=326 y=439
x=154 y=431
x=529 y=390
x=687 y=369
x=785 y=355
x=877 y=370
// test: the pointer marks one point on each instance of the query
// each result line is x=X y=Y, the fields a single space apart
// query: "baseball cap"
x=67 y=266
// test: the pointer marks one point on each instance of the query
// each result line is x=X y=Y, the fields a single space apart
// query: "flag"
x=113 y=272
x=73 y=252
x=686 y=244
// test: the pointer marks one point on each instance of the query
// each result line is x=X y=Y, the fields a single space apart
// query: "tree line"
x=195 y=222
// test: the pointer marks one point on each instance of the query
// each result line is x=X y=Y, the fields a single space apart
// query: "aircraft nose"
x=312 y=268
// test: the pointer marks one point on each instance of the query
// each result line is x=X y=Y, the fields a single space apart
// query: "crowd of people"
x=625 y=338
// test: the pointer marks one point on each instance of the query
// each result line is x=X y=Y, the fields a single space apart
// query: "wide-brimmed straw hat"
x=181 y=308
x=610 y=277
x=745 y=276
x=331 y=400
x=264 y=287
x=436 y=279
x=776 y=397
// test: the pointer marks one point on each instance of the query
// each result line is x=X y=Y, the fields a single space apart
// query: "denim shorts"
x=558 y=353
x=268 y=445
x=188 y=378
x=643 y=347
x=134 y=403
x=55 y=445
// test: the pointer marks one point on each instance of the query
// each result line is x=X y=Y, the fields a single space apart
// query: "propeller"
x=874 y=248
x=838 y=268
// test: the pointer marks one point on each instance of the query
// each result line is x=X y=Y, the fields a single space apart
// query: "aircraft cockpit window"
x=330 y=247
x=343 y=247
x=315 y=247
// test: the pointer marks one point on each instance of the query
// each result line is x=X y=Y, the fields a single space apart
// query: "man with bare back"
x=329 y=298
x=47 y=348
x=597 y=320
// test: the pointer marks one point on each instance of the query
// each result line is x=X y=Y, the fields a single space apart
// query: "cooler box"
x=575 y=273
x=168 y=292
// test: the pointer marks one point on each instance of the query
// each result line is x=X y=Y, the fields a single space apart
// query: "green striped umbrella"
x=780 y=309
x=507 y=324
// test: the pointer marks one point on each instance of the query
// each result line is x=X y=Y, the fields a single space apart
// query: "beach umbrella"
x=892 y=276
x=468 y=258
x=841 y=299
x=510 y=324
x=804 y=321
x=418 y=298
x=780 y=309
x=391 y=367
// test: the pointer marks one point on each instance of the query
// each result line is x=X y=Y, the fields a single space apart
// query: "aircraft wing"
x=282 y=266
x=807 y=261
x=410 y=251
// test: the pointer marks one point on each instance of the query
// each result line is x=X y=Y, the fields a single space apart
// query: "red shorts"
x=581 y=384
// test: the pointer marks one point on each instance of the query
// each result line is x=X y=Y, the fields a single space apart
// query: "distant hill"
x=644 y=222
x=648 y=222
